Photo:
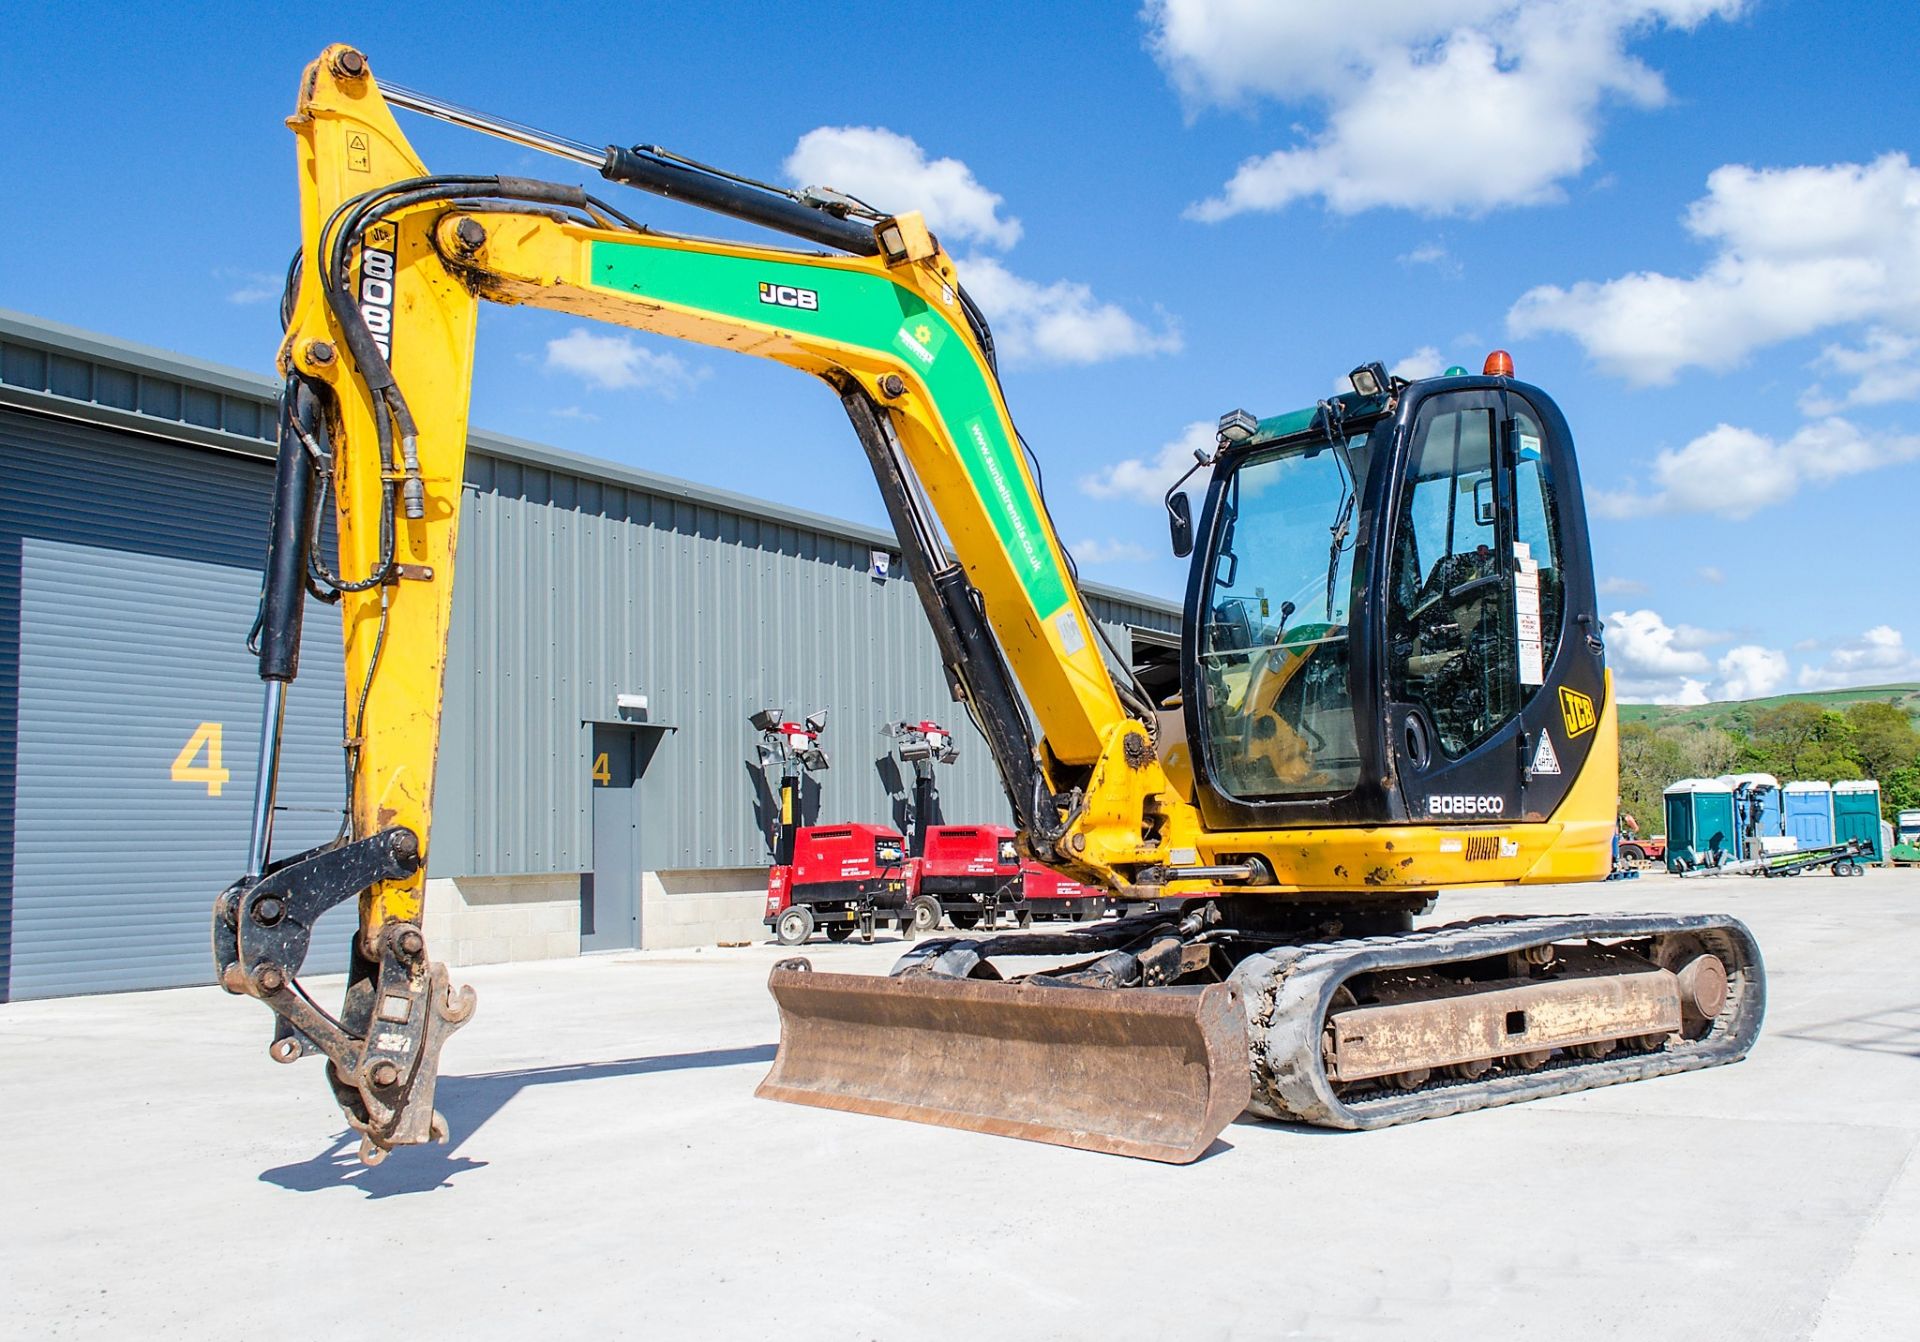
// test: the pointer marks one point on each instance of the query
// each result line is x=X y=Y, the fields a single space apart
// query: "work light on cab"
x=1237 y=426
x=1369 y=379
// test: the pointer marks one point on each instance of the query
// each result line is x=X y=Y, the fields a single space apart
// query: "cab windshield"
x=1273 y=647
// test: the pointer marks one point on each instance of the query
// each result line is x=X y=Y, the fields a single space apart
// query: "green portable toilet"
x=1856 y=815
x=1700 y=828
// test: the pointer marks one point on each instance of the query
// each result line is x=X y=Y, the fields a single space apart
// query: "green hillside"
x=1738 y=713
x=1869 y=732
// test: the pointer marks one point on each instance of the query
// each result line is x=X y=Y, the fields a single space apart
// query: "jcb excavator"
x=1390 y=682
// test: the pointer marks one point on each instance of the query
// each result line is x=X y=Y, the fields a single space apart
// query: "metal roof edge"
x=138 y=357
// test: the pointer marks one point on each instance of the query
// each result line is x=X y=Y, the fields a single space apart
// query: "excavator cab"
x=1393 y=612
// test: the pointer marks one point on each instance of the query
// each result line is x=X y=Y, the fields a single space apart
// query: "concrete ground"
x=611 y=1174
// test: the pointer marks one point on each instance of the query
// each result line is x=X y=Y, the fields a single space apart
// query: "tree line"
x=1795 y=741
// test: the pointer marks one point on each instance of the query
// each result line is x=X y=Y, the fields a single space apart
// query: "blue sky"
x=1695 y=222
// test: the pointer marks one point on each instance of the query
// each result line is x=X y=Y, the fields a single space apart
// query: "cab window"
x=1451 y=645
x=1539 y=583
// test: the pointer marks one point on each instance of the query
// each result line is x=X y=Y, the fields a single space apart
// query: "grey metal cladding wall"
x=129 y=570
x=572 y=591
x=579 y=579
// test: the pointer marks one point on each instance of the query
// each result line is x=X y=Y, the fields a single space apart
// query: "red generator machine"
x=970 y=873
x=1051 y=895
x=843 y=878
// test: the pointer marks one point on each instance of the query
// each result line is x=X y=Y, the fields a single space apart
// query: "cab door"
x=1476 y=609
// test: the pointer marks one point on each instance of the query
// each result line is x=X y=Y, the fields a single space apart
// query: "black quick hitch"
x=383 y=1050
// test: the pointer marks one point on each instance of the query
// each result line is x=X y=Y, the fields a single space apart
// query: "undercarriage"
x=1147 y=1036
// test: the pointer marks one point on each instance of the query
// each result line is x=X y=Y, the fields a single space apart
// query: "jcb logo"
x=1576 y=710
x=786 y=296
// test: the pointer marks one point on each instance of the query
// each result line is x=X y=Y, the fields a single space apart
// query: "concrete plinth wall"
x=702 y=908
x=488 y=920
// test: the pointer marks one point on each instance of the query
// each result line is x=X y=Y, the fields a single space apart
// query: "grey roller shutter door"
x=129 y=573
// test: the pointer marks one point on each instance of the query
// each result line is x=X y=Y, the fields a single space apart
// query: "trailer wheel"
x=926 y=913
x=839 y=931
x=794 y=926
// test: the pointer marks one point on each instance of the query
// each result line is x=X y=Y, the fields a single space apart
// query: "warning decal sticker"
x=1544 y=760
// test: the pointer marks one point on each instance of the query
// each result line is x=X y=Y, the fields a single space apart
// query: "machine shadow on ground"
x=1895 y=1030
x=468 y=1102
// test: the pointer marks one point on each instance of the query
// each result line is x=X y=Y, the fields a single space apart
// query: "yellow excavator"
x=1390 y=682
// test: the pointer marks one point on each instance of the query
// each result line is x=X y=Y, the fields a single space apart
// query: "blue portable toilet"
x=1756 y=806
x=1700 y=828
x=1809 y=813
x=1856 y=815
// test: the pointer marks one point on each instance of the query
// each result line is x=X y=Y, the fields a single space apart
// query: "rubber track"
x=1288 y=992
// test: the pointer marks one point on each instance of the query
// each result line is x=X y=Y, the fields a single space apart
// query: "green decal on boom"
x=873 y=312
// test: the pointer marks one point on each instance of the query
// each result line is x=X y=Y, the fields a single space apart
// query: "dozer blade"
x=1154 y=1073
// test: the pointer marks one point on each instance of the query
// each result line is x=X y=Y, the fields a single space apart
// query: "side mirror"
x=1180 y=522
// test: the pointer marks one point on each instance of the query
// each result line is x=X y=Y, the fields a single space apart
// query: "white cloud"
x=1736 y=472
x=1659 y=663
x=1433 y=254
x=1711 y=573
x=248 y=286
x=1147 y=479
x=1439 y=106
x=616 y=362
x=1884 y=367
x=1109 y=552
x=1798 y=250
x=1692 y=638
x=1622 y=587
x=1060 y=322
x=1689 y=693
x=575 y=412
x=891 y=172
x=1751 y=672
x=1877 y=657
x=1641 y=644
x=1423 y=362
x=1057 y=322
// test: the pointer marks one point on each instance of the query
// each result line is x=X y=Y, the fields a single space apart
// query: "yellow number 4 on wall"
x=205 y=737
